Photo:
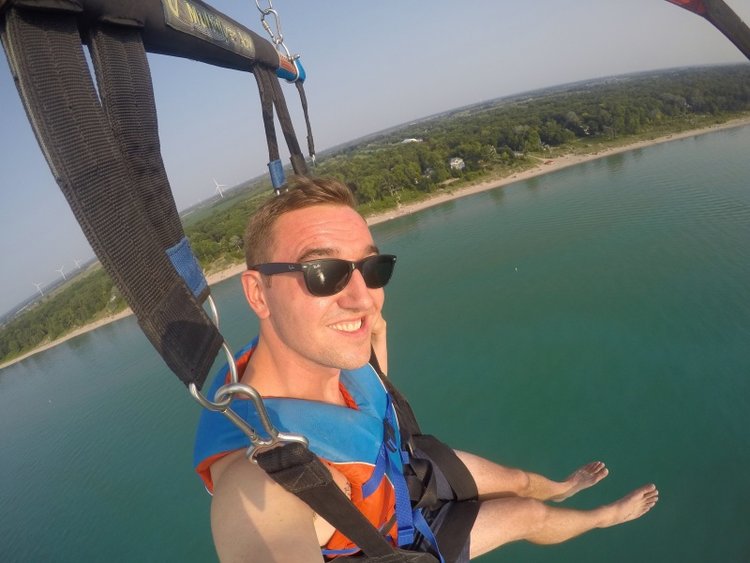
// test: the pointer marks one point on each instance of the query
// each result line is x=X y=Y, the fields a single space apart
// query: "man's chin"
x=351 y=362
x=354 y=364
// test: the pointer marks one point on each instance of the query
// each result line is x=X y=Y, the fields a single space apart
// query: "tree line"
x=494 y=138
x=91 y=296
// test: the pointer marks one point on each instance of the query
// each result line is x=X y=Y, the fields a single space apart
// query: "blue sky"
x=370 y=65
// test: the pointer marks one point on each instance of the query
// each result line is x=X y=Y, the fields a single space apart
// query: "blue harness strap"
x=390 y=464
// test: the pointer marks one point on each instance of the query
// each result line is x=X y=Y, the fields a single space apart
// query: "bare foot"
x=582 y=478
x=631 y=506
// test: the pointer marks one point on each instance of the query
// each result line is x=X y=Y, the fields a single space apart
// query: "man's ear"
x=253 y=286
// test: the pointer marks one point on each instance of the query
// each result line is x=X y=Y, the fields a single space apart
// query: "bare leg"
x=497 y=481
x=504 y=520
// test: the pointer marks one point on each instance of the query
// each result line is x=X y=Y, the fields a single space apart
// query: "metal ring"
x=233 y=375
x=264 y=10
x=223 y=404
x=214 y=310
x=282 y=438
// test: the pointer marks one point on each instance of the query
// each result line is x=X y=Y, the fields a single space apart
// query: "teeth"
x=348 y=327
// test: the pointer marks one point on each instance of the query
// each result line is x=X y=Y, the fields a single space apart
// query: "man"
x=315 y=281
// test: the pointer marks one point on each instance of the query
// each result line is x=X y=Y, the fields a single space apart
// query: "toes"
x=594 y=466
x=599 y=471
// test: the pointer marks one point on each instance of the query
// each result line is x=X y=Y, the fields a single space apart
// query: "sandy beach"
x=544 y=167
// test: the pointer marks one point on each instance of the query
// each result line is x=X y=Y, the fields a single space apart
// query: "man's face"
x=332 y=331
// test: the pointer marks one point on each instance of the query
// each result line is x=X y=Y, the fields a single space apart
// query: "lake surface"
x=600 y=312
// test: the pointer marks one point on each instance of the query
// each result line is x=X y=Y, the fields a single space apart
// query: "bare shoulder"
x=254 y=519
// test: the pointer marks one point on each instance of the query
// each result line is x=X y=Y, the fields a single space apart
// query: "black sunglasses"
x=329 y=276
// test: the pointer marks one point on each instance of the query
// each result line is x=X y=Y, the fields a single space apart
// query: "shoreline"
x=547 y=166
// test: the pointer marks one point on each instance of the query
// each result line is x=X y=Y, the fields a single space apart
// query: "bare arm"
x=495 y=481
x=254 y=519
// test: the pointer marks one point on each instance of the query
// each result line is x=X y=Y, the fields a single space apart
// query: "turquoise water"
x=601 y=312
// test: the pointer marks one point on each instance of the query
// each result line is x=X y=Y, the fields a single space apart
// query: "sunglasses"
x=329 y=276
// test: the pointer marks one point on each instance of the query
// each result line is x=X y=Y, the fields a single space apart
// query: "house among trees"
x=457 y=163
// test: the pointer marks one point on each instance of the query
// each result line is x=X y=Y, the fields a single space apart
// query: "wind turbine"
x=218 y=187
x=61 y=272
x=78 y=263
x=39 y=289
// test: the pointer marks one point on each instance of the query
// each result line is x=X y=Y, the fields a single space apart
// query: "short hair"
x=298 y=193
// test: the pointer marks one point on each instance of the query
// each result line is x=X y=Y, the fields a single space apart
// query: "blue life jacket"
x=364 y=444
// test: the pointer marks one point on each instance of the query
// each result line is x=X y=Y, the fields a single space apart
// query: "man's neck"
x=281 y=374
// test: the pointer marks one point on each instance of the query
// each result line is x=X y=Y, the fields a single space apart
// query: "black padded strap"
x=458 y=476
x=127 y=96
x=456 y=528
x=45 y=54
x=299 y=471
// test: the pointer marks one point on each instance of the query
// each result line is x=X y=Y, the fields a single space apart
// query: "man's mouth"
x=349 y=326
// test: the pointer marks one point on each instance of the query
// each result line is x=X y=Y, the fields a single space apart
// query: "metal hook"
x=275 y=438
x=223 y=398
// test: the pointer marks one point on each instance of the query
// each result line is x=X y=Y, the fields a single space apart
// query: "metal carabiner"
x=264 y=10
x=258 y=444
x=221 y=403
x=276 y=35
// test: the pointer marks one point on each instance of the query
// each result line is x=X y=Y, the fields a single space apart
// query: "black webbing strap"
x=458 y=522
x=420 y=478
x=463 y=485
x=299 y=471
x=45 y=54
x=265 y=91
x=271 y=96
x=285 y=121
x=303 y=101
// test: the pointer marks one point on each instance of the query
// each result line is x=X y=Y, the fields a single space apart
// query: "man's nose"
x=356 y=294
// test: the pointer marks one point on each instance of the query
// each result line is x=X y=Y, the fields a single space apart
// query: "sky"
x=370 y=66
